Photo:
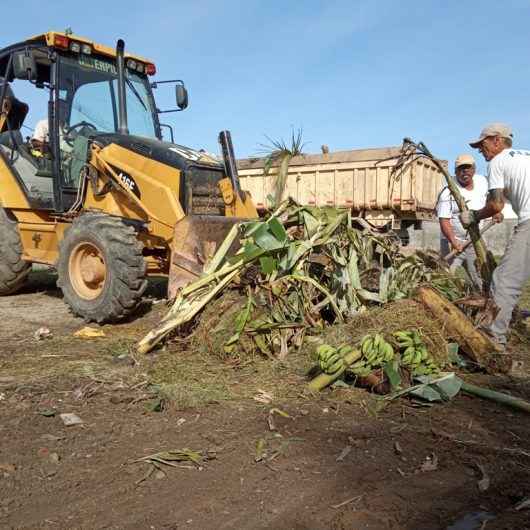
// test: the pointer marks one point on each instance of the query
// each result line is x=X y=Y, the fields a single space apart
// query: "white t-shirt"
x=475 y=199
x=510 y=171
x=41 y=132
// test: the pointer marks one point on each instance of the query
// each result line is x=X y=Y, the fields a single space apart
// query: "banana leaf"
x=241 y=320
x=265 y=239
x=268 y=264
x=277 y=229
x=312 y=225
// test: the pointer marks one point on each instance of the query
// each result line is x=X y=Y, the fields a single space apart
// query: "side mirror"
x=182 y=96
x=24 y=66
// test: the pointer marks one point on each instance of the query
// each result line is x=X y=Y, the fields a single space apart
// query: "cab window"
x=92 y=103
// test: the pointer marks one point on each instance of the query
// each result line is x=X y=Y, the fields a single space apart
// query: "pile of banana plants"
x=302 y=269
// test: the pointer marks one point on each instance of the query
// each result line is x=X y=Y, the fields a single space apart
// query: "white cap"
x=464 y=160
x=493 y=129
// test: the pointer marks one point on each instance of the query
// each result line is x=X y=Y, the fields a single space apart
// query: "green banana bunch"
x=330 y=359
x=414 y=353
x=361 y=368
x=376 y=351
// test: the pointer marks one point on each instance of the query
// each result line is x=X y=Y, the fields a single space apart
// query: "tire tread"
x=124 y=257
x=13 y=269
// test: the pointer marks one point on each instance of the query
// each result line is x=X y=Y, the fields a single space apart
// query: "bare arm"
x=493 y=206
x=447 y=230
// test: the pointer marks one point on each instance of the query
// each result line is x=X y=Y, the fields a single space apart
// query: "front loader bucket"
x=195 y=240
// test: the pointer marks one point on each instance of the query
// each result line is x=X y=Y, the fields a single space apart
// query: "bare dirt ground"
x=339 y=461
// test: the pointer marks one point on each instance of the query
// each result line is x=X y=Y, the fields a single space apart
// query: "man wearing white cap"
x=474 y=190
x=41 y=137
x=508 y=178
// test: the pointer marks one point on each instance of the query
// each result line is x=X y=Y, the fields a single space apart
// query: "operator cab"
x=81 y=78
x=32 y=171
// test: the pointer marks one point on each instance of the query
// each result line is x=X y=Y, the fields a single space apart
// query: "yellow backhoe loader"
x=102 y=198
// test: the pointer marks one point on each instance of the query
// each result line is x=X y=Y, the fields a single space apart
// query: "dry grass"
x=66 y=357
x=190 y=378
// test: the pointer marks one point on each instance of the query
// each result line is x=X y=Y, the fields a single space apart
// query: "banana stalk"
x=220 y=255
x=156 y=335
x=498 y=397
x=281 y=178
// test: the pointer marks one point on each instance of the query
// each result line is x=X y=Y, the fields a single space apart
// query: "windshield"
x=88 y=93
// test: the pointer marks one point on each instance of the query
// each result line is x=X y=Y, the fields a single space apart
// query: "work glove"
x=468 y=218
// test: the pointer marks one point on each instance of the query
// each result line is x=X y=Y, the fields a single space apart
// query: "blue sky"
x=351 y=74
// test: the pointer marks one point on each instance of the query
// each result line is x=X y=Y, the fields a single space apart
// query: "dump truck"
x=102 y=198
x=366 y=181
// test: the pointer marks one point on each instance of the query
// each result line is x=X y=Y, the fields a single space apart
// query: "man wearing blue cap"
x=508 y=178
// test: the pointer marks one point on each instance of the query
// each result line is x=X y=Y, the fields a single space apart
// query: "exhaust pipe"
x=225 y=140
x=122 y=104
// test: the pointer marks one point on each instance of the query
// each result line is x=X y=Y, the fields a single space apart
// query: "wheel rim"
x=87 y=270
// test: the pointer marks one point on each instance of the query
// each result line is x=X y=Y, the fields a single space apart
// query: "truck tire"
x=13 y=269
x=101 y=270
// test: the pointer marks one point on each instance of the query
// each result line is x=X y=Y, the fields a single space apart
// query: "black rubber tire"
x=13 y=269
x=125 y=280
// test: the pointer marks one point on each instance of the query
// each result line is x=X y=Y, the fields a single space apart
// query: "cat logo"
x=185 y=152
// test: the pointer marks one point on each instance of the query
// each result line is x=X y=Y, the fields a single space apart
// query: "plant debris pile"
x=298 y=272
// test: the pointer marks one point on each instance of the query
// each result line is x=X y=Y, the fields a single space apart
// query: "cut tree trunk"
x=477 y=345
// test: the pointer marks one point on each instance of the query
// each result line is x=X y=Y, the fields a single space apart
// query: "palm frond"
x=281 y=152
